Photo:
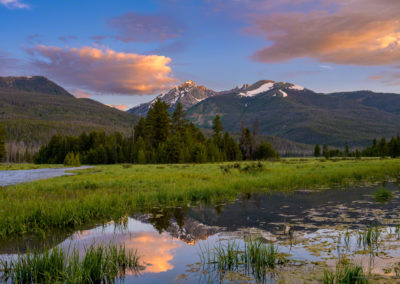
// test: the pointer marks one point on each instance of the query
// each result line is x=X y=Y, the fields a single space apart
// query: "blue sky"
x=126 y=52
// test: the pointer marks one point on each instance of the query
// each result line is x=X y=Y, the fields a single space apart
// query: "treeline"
x=160 y=137
x=377 y=149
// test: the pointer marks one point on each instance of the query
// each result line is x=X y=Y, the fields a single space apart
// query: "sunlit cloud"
x=357 y=32
x=80 y=94
x=14 y=4
x=119 y=107
x=142 y=27
x=104 y=70
x=390 y=78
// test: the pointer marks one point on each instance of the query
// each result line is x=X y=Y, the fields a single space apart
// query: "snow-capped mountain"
x=188 y=94
x=278 y=89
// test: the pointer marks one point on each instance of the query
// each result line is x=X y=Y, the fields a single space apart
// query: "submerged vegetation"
x=383 y=195
x=111 y=192
x=101 y=264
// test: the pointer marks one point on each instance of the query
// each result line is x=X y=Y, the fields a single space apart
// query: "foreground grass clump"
x=254 y=258
x=12 y=167
x=102 y=264
x=383 y=195
x=345 y=274
x=110 y=192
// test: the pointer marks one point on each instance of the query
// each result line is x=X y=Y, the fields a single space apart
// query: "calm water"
x=20 y=176
x=310 y=227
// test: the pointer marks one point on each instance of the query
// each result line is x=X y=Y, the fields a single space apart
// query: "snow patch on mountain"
x=296 y=87
x=262 y=89
x=284 y=94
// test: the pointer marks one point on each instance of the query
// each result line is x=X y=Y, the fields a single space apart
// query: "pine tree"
x=346 y=150
x=179 y=119
x=325 y=151
x=217 y=126
x=317 y=151
x=2 y=144
x=245 y=143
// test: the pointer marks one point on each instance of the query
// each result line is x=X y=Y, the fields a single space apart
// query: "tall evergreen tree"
x=245 y=143
x=179 y=119
x=217 y=126
x=325 y=151
x=2 y=144
x=317 y=151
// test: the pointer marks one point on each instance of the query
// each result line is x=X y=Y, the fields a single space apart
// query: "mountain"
x=32 y=109
x=298 y=114
x=188 y=94
x=383 y=101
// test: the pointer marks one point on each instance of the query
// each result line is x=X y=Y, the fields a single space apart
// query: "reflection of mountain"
x=190 y=231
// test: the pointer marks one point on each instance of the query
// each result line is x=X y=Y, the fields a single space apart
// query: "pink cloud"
x=104 y=70
x=358 y=32
x=120 y=107
x=82 y=94
x=140 y=27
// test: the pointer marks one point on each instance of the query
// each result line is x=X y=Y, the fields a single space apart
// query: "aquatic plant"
x=254 y=257
x=369 y=238
x=101 y=264
x=383 y=195
x=345 y=273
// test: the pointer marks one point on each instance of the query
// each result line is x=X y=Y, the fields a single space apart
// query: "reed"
x=99 y=264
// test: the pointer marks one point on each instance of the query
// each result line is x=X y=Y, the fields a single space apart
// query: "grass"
x=111 y=192
x=102 y=264
x=383 y=195
x=12 y=167
x=254 y=257
x=345 y=274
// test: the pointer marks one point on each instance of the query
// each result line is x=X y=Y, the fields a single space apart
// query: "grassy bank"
x=12 y=167
x=111 y=192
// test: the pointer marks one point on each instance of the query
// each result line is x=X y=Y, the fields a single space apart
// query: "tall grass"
x=102 y=264
x=111 y=192
x=345 y=274
x=254 y=257
x=383 y=195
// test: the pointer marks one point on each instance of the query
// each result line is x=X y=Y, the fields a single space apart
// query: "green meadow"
x=111 y=192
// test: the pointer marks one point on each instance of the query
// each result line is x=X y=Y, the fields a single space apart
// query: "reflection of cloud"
x=360 y=32
x=104 y=70
x=140 y=27
x=120 y=107
x=12 y=4
x=154 y=249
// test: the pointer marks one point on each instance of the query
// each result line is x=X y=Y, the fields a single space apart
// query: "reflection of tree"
x=161 y=218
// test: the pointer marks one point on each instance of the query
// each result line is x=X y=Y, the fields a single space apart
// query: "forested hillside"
x=33 y=109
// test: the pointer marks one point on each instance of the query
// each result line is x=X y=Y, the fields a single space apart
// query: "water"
x=21 y=176
x=311 y=228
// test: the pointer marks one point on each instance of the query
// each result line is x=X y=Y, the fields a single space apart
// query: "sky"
x=125 y=52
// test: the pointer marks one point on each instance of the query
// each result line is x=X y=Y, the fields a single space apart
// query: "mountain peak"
x=188 y=83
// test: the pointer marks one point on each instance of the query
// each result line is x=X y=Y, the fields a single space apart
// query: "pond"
x=311 y=229
x=20 y=176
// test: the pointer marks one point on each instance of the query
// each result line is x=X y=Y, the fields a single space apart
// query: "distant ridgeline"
x=160 y=137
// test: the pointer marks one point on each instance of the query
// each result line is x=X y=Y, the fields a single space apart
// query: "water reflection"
x=310 y=227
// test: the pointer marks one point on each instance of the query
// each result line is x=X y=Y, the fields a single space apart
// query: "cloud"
x=81 y=94
x=66 y=39
x=390 y=78
x=98 y=38
x=357 y=32
x=120 y=107
x=104 y=70
x=14 y=4
x=145 y=28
